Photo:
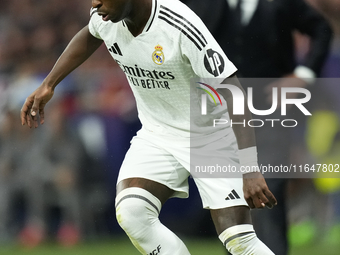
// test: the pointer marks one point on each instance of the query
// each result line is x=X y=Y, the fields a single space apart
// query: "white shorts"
x=167 y=161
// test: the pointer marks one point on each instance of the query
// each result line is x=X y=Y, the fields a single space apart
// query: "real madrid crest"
x=158 y=55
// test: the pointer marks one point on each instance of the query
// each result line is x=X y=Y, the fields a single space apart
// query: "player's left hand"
x=256 y=191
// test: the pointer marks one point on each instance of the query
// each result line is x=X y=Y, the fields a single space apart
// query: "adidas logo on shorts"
x=233 y=195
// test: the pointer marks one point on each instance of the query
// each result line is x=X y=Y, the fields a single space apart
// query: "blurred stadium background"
x=60 y=199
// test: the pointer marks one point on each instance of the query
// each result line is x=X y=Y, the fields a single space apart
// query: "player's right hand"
x=34 y=106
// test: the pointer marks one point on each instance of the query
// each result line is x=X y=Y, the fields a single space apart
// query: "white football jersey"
x=160 y=63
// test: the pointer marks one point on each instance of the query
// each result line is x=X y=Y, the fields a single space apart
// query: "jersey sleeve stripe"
x=185 y=26
x=180 y=29
x=154 y=14
x=185 y=20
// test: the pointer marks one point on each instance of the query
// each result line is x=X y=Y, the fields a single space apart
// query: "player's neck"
x=139 y=16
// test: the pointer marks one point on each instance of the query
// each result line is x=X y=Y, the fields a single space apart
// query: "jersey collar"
x=152 y=16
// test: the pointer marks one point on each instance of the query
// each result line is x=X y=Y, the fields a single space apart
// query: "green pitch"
x=121 y=245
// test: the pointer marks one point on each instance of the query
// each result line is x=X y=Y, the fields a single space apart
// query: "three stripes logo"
x=232 y=196
x=204 y=97
x=115 y=49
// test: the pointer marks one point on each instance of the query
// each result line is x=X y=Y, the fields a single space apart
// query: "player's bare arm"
x=255 y=189
x=79 y=49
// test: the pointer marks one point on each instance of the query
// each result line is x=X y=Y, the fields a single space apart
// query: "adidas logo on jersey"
x=233 y=195
x=115 y=49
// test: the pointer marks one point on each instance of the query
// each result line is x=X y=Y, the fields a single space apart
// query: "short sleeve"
x=204 y=53
x=94 y=23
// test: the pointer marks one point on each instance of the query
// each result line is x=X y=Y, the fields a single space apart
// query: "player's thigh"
x=162 y=192
x=149 y=165
x=230 y=216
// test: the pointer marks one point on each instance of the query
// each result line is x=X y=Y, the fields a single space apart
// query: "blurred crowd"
x=58 y=181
